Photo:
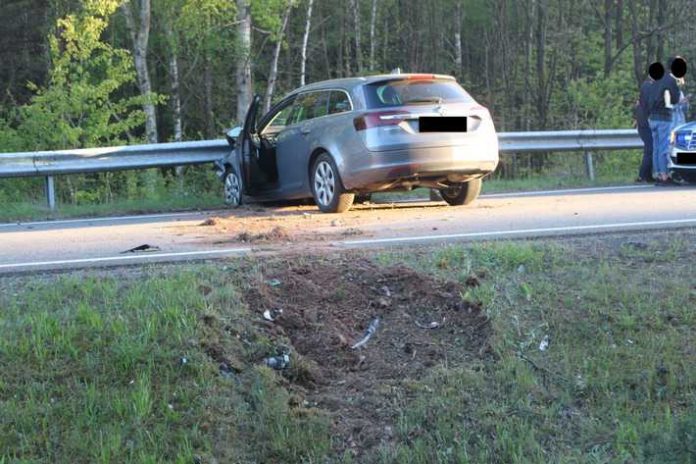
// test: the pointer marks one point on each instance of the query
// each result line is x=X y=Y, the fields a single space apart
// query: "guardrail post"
x=50 y=193
x=589 y=166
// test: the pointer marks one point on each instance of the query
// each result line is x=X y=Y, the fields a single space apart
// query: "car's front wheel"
x=462 y=194
x=233 y=188
x=329 y=194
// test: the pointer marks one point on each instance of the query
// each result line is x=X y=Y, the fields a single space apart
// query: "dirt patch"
x=327 y=307
x=277 y=234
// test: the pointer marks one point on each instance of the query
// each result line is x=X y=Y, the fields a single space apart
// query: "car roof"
x=350 y=83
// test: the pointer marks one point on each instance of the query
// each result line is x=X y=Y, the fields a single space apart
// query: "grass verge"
x=163 y=364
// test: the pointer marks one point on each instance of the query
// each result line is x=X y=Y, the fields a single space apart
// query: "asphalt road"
x=49 y=245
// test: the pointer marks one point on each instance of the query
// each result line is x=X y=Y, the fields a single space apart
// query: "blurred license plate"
x=442 y=124
x=686 y=158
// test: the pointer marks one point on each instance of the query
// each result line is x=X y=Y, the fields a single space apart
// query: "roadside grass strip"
x=586 y=354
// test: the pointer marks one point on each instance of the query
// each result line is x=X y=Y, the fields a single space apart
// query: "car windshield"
x=414 y=92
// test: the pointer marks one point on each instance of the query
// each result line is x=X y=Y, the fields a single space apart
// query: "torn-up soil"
x=327 y=306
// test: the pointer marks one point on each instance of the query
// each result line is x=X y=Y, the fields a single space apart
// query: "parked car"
x=682 y=159
x=336 y=139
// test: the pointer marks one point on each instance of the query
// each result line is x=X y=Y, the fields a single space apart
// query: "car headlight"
x=672 y=137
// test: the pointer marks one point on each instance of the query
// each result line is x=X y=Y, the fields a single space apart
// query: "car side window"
x=309 y=106
x=279 y=120
x=339 y=102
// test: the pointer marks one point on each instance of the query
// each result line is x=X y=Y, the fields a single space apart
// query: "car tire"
x=462 y=194
x=232 y=188
x=327 y=187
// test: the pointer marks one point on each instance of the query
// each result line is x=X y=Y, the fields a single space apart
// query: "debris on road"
x=430 y=325
x=544 y=345
x=336 y=223
x=371 y=329
x=273 y=282
x=272 y=314
x=143 y=248
x=209 y=222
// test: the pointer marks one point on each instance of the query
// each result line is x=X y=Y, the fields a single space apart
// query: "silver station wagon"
x=336 y=139
x=682 y=160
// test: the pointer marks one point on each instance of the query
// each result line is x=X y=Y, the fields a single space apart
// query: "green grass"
x=92 y=371
x=91 y=365
x=616 y=384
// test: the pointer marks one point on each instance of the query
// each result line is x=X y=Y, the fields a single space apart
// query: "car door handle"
x=305 y=131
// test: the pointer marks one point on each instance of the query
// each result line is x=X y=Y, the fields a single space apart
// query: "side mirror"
x=232 y=135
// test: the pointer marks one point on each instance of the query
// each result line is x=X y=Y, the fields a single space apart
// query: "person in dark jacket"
x=664 y=91
x=641 y=114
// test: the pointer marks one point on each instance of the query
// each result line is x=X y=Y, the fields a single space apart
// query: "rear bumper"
x=374 y=171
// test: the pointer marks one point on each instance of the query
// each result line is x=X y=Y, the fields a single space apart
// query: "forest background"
x=84 y=73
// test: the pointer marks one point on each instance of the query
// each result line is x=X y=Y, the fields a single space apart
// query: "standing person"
x=641 y=114
x=664 y=90
x=678 y=69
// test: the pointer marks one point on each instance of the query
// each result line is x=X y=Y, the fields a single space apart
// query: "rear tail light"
x=382 y=118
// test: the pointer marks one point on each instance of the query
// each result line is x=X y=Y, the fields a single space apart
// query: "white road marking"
x=496 y=233
x=104 y=219
x=127 y=258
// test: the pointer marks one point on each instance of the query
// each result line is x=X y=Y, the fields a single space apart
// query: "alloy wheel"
x=233 y=189
x=324 y=183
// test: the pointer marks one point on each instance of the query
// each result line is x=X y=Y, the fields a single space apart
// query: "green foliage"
x=82 y=105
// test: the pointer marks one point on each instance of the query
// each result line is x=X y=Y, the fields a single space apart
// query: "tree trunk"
x=373 y=18
x=540 y=63
x=174 y=85
x=305 y=39
x=458 y=41
x=635 y=39
x=618 y=29
x=355 y=5
x=208 y=95
x=272 y=76
x=607 y=36
x=662 y=6
x=140 y=33
x=244 y=88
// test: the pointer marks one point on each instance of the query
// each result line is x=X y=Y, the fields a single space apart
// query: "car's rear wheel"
x=233 y=188
x=329 y=193
x=462 y=194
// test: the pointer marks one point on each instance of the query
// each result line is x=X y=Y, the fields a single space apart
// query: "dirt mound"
x=327 y=307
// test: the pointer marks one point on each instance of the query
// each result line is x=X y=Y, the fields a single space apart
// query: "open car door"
x=248 y=144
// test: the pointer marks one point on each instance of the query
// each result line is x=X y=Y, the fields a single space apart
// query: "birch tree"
x=273 y=74
x=243 y=74
x=305 y=38
x=139 y=30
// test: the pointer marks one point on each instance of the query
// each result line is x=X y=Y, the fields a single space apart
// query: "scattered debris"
x=472 y=281
x=225 y=370
x=209 y=222
x=272 y=314
x=279 y=362
x=306 y=215
x=543 y=346
x=276 y=234
x=352 y=231
x=273 y=282
x=636 y=245
x=430 y=325
x=145 y=248
x=183 y=361
x=384 y=302
x=371 y=329
x=336 y=223
x=521 y=269
x=386 y=291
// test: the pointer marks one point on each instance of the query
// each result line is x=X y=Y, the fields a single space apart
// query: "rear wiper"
x=437 y=100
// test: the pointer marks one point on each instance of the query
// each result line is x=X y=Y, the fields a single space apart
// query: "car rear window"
x=401 y=92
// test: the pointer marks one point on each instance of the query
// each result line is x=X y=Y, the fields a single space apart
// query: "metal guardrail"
x=89 y=160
